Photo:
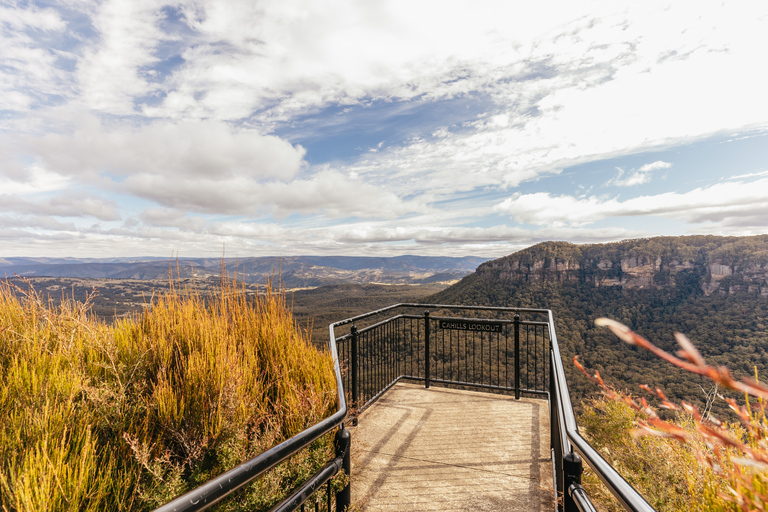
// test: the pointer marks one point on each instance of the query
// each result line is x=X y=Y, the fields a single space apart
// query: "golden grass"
x=125 y=417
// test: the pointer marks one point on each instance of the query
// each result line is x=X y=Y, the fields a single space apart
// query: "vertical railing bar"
x=393 y=348
x=427 y=356
x=388 y=354
x=498 y=359
x=536 y=341
x=398 y=348
x=368 y=364
x=384 y=357
x=353 y=363
x=506 y=356
x=527 y=354
x=482 y=356
x=451 y=354
x=466 y=359
x=517 y=356
x=371 y=363
x=379 y=362
x=443 y=353
x=474 y=359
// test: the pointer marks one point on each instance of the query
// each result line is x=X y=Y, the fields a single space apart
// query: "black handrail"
x=569 y=441
x=568 y=447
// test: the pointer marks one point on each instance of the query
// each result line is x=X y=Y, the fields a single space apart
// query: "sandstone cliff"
x=717 y=264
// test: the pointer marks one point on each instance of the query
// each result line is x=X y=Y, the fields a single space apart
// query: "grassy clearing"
x=127 y=416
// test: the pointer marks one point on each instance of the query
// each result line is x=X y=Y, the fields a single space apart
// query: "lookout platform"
x=446 y=449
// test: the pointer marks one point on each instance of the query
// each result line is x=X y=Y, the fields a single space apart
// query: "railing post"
x=343 y=441
x=572 y=467
x=517 y=356
x=426 y=349
x=354 y=371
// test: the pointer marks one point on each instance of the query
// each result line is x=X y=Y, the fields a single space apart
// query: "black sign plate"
x=471 y=325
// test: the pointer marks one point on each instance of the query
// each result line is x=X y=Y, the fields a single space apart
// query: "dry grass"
x=125 y=417
x=694 y=462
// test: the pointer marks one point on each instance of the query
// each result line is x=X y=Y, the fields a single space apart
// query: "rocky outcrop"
x=650 y=263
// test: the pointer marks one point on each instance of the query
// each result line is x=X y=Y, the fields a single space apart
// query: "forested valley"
x=713 y=289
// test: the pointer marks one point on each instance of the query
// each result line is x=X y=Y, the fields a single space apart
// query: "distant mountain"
x=714 y=289
x=295 y=271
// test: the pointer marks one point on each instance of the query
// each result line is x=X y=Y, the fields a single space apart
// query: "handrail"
x=568 y=446
x=628 y=497
x=217 y=488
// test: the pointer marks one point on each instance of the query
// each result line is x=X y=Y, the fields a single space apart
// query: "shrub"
x=691 y=462
x=125 y=417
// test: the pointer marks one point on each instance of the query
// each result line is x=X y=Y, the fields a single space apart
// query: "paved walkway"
x=451 y=450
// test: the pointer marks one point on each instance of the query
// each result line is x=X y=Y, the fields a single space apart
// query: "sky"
x=377 y=128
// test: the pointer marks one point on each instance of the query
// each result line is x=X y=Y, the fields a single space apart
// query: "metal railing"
x=516 y=351
x=569 y=449
x=438 y=347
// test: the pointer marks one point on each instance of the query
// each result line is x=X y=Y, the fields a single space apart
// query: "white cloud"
x=717 y=203
x=18 y=179
x=28 y=71
x=111 y=71
x=637 y=176
x=70 y=205
x=178 y=151
x=41 y=222
x=328 y=192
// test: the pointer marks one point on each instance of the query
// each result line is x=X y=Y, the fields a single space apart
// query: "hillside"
x=295 y=271
x=714 y=289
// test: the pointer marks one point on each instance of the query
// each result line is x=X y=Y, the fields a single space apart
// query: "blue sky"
x=376 y=128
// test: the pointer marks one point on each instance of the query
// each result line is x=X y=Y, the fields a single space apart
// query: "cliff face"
x=716 y=264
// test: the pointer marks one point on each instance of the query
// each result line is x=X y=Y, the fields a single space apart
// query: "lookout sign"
x=471 y=325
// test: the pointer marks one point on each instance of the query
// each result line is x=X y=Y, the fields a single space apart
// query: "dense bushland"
x=127 y=416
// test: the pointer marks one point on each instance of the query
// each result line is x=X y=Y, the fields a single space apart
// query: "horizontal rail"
x=301 y=494
x=435 y=306
x=536 y=392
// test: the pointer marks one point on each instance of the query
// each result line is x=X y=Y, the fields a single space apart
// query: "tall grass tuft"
x=127 y=416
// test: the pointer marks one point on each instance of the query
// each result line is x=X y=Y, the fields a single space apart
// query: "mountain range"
x=294 y=271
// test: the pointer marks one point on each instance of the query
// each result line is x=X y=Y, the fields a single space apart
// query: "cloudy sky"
x=284 y=127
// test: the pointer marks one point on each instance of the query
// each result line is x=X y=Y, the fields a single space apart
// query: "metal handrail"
x=572 y=441
x=568 y=446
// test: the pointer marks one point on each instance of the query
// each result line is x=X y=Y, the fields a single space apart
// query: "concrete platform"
x=451 y=450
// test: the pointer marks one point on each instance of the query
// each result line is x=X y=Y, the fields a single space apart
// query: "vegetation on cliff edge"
x=127 y=416
x=694 y=461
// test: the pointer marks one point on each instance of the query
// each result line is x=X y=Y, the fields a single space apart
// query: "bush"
x=125 y=417
x=693 y=461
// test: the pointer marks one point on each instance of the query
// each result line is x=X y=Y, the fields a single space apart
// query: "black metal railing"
x=504 y=353
x=515 y=351
x=570 y=449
